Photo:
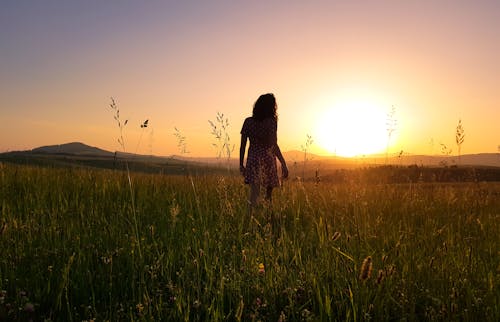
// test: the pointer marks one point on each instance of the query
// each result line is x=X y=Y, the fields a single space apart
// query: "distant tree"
x=459 y=137
x=391 y=124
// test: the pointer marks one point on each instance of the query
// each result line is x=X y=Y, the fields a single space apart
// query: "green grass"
x=69 y=250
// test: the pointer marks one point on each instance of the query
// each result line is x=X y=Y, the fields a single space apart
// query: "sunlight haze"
x=336 y=69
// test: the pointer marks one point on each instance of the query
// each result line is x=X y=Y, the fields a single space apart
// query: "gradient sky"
x=178 y=63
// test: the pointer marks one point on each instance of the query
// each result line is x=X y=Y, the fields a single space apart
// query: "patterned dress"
x=261 y=160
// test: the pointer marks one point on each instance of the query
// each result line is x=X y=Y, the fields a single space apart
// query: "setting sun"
x=353 y=128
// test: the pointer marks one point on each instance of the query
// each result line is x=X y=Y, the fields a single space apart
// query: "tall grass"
x=70 y=251
x=459 y=137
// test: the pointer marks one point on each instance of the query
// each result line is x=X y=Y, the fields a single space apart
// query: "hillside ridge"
x=292 y=157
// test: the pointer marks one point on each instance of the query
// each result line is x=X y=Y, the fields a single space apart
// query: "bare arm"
x=243 y=146
x=284 y=169
x=277 y=151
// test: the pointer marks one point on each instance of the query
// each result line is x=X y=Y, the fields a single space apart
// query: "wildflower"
x=139 y=308
x=29 y=307
x=282 y=317
x=262 y=269
x=366 y=268
x=174 y=211
x=306 y=314
x=106 y=260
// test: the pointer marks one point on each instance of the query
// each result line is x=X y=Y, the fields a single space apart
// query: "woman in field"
x=261 y=130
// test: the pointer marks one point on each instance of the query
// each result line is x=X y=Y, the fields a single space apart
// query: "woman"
x=261 y=130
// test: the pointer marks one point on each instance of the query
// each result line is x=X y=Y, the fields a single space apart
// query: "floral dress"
x=261 y=160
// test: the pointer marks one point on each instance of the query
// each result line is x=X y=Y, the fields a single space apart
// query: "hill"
x=404 y=168
x=73 y=148
x=478 y=159
x=76 y=154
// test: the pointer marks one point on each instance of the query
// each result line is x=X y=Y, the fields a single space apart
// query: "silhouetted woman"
x=261 y=129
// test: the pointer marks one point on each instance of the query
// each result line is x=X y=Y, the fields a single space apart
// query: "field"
x=84 y=244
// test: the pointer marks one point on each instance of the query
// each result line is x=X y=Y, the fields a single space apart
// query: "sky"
x=339 y=71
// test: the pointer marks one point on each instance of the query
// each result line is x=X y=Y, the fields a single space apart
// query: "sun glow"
x=353 y=128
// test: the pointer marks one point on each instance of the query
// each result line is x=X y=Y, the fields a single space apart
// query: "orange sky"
x=178 y=64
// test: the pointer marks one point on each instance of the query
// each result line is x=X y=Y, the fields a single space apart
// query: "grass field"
x=74 y=247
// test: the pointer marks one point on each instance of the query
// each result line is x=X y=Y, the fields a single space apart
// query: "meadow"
x=84 y=245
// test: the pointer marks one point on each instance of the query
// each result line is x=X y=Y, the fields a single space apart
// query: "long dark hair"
x=265 y=107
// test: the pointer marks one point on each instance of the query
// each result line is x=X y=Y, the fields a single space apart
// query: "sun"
x=353 y=128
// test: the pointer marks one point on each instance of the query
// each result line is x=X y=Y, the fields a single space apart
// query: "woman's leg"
x=274 y=218
x=269 y=191
x=254 y=195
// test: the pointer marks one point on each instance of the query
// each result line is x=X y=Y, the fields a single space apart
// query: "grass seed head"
x=380 y=276
x=336 y=236
x=391 y=270
x=174 y=212
x=366 y=269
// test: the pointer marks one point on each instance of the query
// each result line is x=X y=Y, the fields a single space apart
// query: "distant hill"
x=76 y=154
x=397 y=168
x=479 y=159
x=294 y=158
x=73 y=148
